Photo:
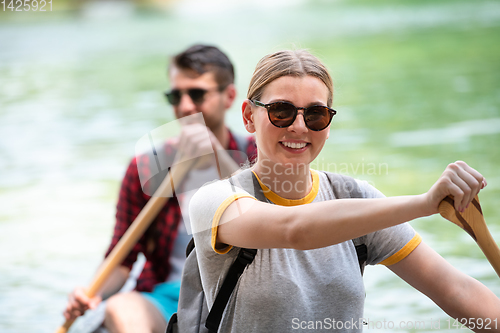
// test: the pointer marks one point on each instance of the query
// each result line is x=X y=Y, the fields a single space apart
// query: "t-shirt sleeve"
x=206 y=209
x=391 y=245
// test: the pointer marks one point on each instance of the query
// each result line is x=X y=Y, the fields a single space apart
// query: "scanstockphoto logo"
x=364 y=323
x=327 y=324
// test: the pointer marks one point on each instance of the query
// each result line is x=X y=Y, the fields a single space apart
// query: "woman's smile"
x=295 y=147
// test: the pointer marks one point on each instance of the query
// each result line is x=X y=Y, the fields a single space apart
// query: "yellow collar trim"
x=278 y=200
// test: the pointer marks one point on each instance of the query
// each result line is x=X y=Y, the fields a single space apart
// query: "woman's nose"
x=299 y=124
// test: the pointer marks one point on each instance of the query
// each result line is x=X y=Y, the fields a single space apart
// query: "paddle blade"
x=472 y=221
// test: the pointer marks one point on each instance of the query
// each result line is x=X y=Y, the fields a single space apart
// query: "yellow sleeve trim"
x=218 y=215
x=404 y=252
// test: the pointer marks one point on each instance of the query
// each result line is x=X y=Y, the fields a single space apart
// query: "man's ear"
x=230 y=93
x=246 y=111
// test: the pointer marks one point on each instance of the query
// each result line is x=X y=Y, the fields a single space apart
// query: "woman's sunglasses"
x=283 y=114
x=197 y=95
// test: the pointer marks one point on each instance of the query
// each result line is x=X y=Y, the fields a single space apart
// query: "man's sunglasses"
x=283 y=114
x=197 y=95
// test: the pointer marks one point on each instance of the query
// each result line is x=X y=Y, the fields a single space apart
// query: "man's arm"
x=79 y=302
x=459 y=295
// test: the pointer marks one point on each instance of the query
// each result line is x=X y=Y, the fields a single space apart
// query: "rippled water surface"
x=417 y=87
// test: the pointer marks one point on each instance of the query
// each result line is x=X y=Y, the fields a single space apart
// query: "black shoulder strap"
x=190 y=247
x=362 y=252
x=347 y=187
x=245 y=258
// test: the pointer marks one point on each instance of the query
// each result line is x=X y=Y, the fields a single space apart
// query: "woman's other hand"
x=458 y=180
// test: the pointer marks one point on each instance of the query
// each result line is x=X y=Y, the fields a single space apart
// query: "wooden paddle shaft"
x=488 y=246
x=135 y=231
x=65 y=327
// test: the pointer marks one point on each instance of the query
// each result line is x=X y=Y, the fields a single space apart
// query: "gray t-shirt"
x=285 y=289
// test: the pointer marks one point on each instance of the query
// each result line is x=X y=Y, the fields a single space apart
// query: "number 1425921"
x=26 y=5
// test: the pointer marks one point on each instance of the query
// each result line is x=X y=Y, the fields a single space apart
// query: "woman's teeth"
x=294 y=145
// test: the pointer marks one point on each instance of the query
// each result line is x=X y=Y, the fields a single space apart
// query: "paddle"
x=136 y=229
x=472 y=221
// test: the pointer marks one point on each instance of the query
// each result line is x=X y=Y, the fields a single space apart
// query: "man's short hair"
x=200 y=59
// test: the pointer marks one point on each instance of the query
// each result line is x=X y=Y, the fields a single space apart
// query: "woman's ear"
x=247 y=113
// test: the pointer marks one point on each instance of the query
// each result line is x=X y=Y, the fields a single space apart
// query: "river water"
x=78 y=90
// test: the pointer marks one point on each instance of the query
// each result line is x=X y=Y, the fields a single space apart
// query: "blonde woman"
x=306 y=268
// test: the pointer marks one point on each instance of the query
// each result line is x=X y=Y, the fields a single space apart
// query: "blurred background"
x=417 y=87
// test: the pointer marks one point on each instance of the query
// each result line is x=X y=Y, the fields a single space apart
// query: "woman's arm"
x=252 y=224
x=316 y=225
x=459 y=295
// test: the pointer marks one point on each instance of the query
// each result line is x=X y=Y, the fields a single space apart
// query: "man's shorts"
x=165 y=297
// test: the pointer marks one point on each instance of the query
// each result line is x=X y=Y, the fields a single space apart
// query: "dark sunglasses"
x=197 y=95
x=283 y=114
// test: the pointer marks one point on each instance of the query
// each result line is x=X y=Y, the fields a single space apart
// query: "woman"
x=306 y=269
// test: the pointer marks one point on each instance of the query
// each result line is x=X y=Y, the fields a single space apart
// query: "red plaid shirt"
x=157 y=241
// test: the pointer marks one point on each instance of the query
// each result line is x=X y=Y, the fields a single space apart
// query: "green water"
x=417 y=87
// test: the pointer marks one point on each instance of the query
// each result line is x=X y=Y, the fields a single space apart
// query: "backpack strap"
x=190 y=247
x=245 y=258
x=362 y=252
x=172 y=324
x=347 y=187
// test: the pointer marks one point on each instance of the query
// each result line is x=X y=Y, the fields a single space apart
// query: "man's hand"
x=79 y=302
x=197 y=140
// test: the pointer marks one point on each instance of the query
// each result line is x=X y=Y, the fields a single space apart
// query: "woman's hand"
x=458 y=180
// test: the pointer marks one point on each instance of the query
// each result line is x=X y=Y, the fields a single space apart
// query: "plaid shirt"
x=157 y=241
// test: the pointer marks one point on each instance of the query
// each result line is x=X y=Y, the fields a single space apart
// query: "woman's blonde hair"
x=297 y=63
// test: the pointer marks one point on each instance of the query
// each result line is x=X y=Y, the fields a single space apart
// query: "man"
x=202 y=80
